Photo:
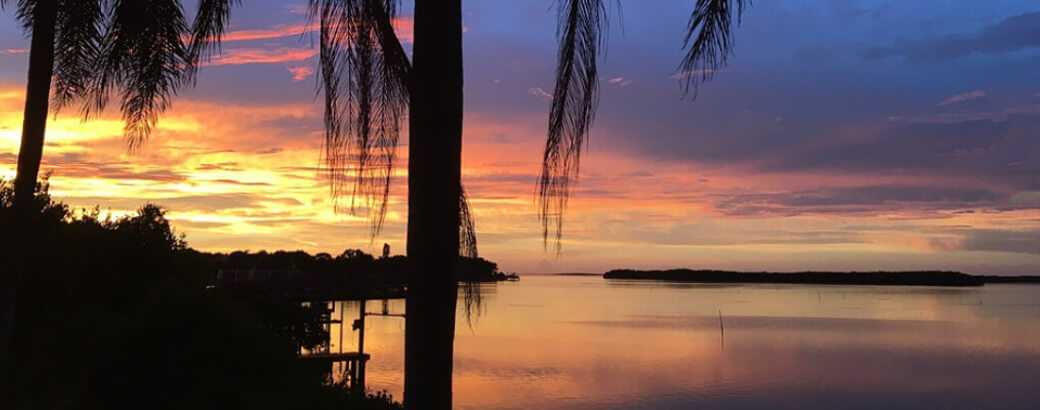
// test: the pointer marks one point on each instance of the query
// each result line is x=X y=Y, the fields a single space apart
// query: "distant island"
x=904 y=278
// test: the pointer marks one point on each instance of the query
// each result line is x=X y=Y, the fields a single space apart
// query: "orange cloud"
x=284 y=54
x=239 y=56
x=403 y=26
x=284 y=30
x=249 y=179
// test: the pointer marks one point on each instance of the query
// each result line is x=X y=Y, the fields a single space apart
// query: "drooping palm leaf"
x=581 y=26
x=581 y=32
x=467 y=228
x=135 y=48
x=77 y=45
x=143 y=56
x=24 y=11
x=364 y=79
x=211 y=22
x=709 y=40
x=473 y=299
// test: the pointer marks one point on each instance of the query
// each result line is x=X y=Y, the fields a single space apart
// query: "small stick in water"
x=722 y=330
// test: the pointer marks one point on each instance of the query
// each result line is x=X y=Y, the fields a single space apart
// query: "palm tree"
x=88 y=50
x=369 y=85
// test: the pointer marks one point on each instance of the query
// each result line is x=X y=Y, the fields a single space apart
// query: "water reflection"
x=586 y=343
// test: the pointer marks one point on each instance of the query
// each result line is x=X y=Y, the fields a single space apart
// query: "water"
x=553 y=342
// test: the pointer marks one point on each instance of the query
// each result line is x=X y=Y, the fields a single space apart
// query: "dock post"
x=361 y=349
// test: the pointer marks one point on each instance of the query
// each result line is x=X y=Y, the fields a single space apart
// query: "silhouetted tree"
x=122 y=289
x=370 y=84
x=89 y=49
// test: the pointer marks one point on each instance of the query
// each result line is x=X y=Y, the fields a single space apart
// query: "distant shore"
x=881 y=278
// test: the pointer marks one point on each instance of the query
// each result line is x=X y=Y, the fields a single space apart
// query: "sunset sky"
x=843 y=135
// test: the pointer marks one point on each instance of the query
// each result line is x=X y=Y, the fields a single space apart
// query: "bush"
x=113 y=313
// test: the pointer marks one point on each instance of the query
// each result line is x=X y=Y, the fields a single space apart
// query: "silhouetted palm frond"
x=24 y=11
x=135 y=48
x=581 y=31
x=467 y=228
x=144 y=57
x=364 y=79
x=473 y=299
x=77 y=45
x=709 y=40
x=581 y=28
x=211 y=22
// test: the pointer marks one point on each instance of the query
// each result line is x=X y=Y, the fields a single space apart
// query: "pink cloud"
x=274 y=55
x=239 y=56
x=300 y=73
x=403 y=26
x=284 y=30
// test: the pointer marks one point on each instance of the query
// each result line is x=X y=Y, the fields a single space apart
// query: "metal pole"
x=342 y=307
x=361 y=348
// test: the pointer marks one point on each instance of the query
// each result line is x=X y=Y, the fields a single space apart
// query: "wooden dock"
x=350 y=365
x=353 y=366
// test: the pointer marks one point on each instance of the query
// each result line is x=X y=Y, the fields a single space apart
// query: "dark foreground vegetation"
x=907 y=278
x=114 y=313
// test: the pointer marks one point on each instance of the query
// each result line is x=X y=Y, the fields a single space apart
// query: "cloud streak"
x=1012 y=34
x=300 y=73
x=959 y=98
x=242 y=56
x=403 y=26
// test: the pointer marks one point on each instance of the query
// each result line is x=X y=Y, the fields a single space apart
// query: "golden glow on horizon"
x=244 y=176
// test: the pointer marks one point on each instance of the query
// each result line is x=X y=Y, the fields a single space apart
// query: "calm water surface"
x=554 y=342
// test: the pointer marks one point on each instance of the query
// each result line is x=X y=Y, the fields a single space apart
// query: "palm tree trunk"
x=37 y=99
x=434 y=176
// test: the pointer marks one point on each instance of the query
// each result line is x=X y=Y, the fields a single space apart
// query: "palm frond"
x=581 y=30
x=364 y=79
x=709 y=40
x=25 y=9
x=211 y=22
x=467 y=228
x=144 y=57
x=473 y=299
x=77 y=45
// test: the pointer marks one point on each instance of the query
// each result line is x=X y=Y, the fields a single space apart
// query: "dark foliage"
x=120 y=319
